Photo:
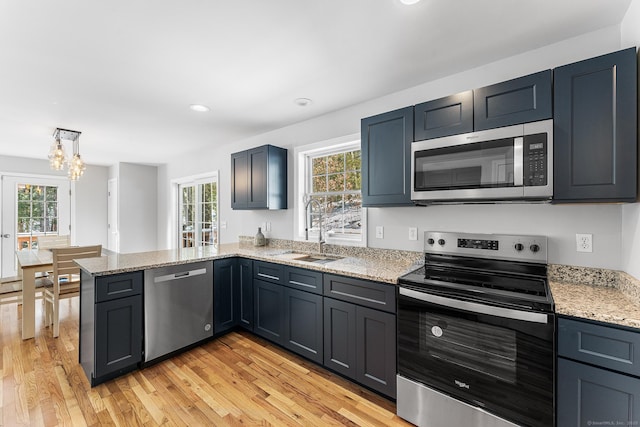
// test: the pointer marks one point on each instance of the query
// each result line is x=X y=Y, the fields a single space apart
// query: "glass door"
x=31 y=207
x=198 y=213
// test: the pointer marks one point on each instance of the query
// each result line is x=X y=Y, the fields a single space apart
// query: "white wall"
x=630 y=35
x=137 y=205
x=89 y=210
x=561 y=223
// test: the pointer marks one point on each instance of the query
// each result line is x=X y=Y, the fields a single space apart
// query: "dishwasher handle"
x=180 y=275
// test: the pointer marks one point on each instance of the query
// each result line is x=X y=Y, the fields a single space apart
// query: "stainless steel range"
x=476 y=329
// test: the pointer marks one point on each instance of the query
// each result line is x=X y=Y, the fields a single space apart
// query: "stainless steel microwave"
x=504 y=164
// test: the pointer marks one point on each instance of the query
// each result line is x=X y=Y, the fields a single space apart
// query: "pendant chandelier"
x=57 y=157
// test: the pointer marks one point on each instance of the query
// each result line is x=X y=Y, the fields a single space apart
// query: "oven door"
x=493 y=358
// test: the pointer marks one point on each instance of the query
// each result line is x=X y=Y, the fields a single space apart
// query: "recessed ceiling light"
x=199 y=108
x=303 y=102
x=409 y=2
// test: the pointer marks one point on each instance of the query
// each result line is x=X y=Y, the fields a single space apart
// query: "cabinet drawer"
x=118 y=286
x=268 y=271
x=522 y=100
x=362 y=292
x=604 y=346
x=303 y=279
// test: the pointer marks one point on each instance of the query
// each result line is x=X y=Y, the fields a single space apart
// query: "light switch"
x=379 y=232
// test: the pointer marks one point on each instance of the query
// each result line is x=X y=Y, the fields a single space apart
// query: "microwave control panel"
x=535 y=160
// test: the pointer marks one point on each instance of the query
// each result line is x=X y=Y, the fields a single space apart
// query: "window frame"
x=303 y=160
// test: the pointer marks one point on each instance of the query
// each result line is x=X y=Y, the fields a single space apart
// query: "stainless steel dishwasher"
x=178 y=307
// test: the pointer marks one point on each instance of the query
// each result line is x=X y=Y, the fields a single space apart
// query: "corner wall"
x=630 y=36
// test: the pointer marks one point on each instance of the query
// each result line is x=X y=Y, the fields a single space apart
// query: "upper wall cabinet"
x=595 y=139
x=443 y=117
x=259 y=178
x=522 y=100
x=386 y=158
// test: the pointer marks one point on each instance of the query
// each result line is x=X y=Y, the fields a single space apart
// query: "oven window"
x=479 y=165
x=483 y=348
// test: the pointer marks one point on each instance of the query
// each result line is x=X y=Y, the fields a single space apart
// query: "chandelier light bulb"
x=57 y=155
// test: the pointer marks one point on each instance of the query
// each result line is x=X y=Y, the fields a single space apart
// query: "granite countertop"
x=596 y=294
x=588 y=293
x=381 y=269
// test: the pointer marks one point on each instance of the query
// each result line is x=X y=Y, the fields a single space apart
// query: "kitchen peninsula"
x=111 y=314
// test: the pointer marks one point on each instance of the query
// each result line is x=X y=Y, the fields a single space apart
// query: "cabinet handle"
x=306 y=285
x=268 y=276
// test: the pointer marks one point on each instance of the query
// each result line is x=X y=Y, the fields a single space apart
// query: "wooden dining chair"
x=65 y=280
x=53 y=241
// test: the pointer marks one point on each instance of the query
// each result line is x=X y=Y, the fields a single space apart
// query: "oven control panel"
x=499 y=246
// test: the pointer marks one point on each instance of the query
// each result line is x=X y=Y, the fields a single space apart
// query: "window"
x=331 y=198
x=37 y=213
x=198 y=213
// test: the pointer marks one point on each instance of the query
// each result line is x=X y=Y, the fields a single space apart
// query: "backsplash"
x=346 y=251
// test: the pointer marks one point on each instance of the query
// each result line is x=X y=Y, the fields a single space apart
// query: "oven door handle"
x=473 y=307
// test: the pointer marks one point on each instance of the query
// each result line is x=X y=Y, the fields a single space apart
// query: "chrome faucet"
x=308 y=210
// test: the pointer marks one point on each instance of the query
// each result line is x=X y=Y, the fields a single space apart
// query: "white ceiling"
x=123 y=72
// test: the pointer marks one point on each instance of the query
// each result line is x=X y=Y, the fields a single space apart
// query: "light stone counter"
x=377 y=265
x=595 y=294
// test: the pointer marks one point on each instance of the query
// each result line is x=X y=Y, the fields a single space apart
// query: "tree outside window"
x=37 y=213
x=335 y=181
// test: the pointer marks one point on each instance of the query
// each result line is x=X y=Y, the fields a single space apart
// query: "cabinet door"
x=225 y=301
x=258 y=173
x=303 y=324
x=239 y=180
x=269 y=316
x=522 y=100
x=118 y=335
x=386 y=158
x=446 y=116
x=245 y=290
x=589 y=396
x=340 y=337
x=594 y=126
x=376 y=350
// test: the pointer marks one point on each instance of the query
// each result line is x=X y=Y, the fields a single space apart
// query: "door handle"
x=6 y=236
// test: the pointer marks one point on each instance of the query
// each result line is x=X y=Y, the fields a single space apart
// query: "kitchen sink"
x=318 y=259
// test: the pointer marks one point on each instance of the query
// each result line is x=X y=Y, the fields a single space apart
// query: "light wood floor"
x=238 y=379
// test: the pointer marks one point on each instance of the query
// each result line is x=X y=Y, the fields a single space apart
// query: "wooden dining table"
x=31 y=262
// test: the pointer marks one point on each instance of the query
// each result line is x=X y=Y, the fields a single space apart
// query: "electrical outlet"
x=268 y=226
x=584 y=242
x=379 y=232
x=413 y=233
x=223 y=224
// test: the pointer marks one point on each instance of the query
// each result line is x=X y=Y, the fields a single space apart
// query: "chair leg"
x=56 y=317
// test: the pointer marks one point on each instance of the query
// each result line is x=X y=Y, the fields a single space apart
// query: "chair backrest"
x=53 y=241
x=63 y=264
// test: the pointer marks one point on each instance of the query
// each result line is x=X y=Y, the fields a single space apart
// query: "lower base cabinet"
x=268 y=300
x=589 y=396
x=111 y=324
x=303 y=324
x=360 y=343
x=598 y=374
x=119 y=326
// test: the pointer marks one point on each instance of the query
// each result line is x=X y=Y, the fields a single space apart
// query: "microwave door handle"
x=518 y=154
x=473 y=307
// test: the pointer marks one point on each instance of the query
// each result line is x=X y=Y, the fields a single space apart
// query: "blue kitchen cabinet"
x=521 y=100
x=386 y=158
x=595 y=129
x=446 y=116
x=598 y=374
x=259 y=178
